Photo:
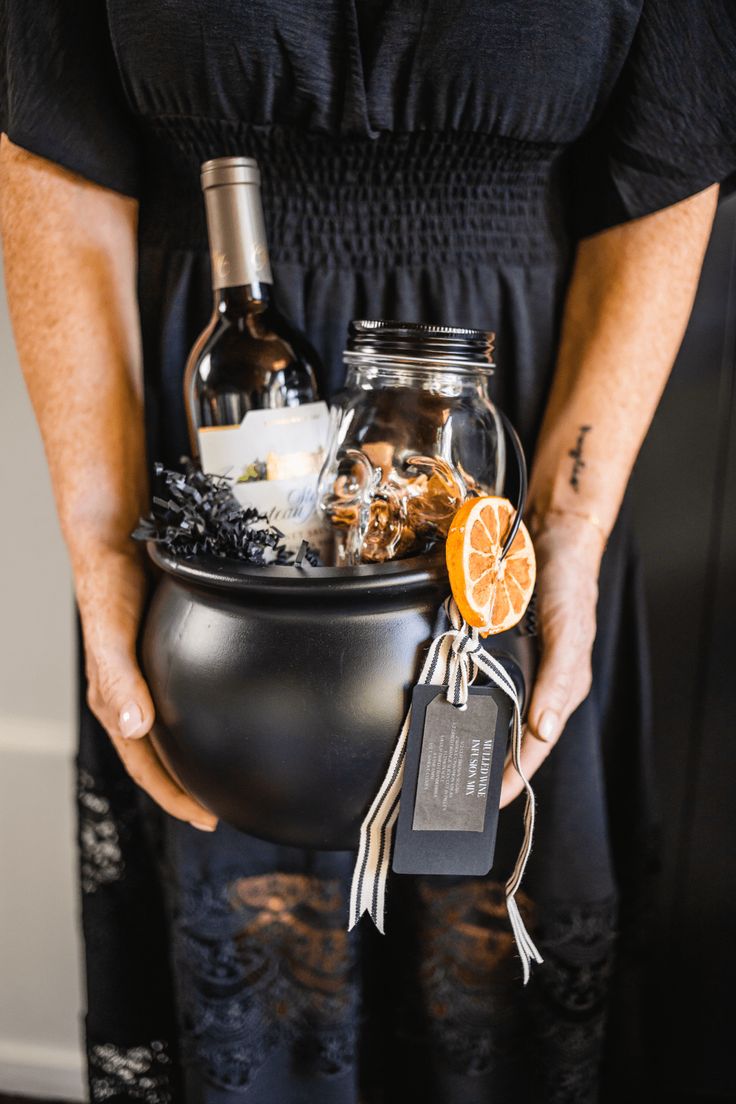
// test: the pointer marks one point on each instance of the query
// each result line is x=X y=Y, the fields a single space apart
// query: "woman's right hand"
x=111 y=587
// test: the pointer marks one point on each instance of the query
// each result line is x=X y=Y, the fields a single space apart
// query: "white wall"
x=40 y=989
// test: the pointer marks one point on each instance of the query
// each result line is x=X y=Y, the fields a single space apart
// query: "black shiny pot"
x=280 y=692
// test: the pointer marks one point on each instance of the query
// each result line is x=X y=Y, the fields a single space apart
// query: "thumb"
x=135 y=714
x=548 y=712
x=120 y=697
x=549 y=706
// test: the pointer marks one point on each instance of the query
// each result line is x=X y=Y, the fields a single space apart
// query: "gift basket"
x=331 y=585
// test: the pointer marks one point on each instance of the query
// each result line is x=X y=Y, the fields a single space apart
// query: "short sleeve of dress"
x=669 y=129
x=60 y=91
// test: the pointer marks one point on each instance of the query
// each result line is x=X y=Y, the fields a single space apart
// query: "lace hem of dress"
x=265 y=964
x=569 y=1002
x=468 y=998
x=132 y=1073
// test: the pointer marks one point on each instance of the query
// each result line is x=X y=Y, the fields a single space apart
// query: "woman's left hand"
x=568 y=550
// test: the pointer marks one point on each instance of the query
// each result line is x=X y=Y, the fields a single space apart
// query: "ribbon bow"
x=455 y=656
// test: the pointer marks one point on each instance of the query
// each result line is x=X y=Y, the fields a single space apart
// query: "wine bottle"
x=250 y=390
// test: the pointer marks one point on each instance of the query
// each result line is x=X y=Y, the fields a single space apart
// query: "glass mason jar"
x=413 y=433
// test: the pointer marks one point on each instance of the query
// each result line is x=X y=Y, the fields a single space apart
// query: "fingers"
x=146 y=769
x=110 y=594
x=120 y=699
x=568 y=562
x=563 y=682
x=533 y=754
x=110 y=599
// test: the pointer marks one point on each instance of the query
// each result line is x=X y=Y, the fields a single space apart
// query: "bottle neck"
x=244 y=299
x=237 y=237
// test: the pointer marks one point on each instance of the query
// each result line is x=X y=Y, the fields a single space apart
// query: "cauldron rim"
x=416 y=573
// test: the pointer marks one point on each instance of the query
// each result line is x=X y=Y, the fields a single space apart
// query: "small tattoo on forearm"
x=577 y=457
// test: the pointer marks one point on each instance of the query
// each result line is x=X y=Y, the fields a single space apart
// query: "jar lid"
x=420 y=343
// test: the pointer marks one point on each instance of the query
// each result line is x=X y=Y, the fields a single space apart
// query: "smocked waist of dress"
x=399 y=199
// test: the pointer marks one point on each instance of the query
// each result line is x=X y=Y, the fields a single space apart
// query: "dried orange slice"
x=491 y=593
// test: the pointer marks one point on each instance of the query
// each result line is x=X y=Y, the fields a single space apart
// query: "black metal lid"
x=420 y=342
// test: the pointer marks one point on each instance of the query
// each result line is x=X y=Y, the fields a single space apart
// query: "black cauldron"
x=280 y=691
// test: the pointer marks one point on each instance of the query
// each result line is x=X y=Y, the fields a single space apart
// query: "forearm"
x=628 y=303
x=627 y=307
x=69 y=253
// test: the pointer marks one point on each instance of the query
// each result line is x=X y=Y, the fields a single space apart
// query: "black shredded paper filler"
x=193 y=514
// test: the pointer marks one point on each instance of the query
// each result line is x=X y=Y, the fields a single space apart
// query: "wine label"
x=273 y=459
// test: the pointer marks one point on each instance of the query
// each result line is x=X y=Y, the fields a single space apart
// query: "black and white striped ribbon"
x=455 y=656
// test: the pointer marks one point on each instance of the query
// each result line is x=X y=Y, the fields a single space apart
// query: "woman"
x=545 y=172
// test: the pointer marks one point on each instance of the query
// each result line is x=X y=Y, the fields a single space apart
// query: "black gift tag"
x=452 y=782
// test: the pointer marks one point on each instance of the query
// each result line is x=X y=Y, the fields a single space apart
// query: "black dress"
x=424 y=161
